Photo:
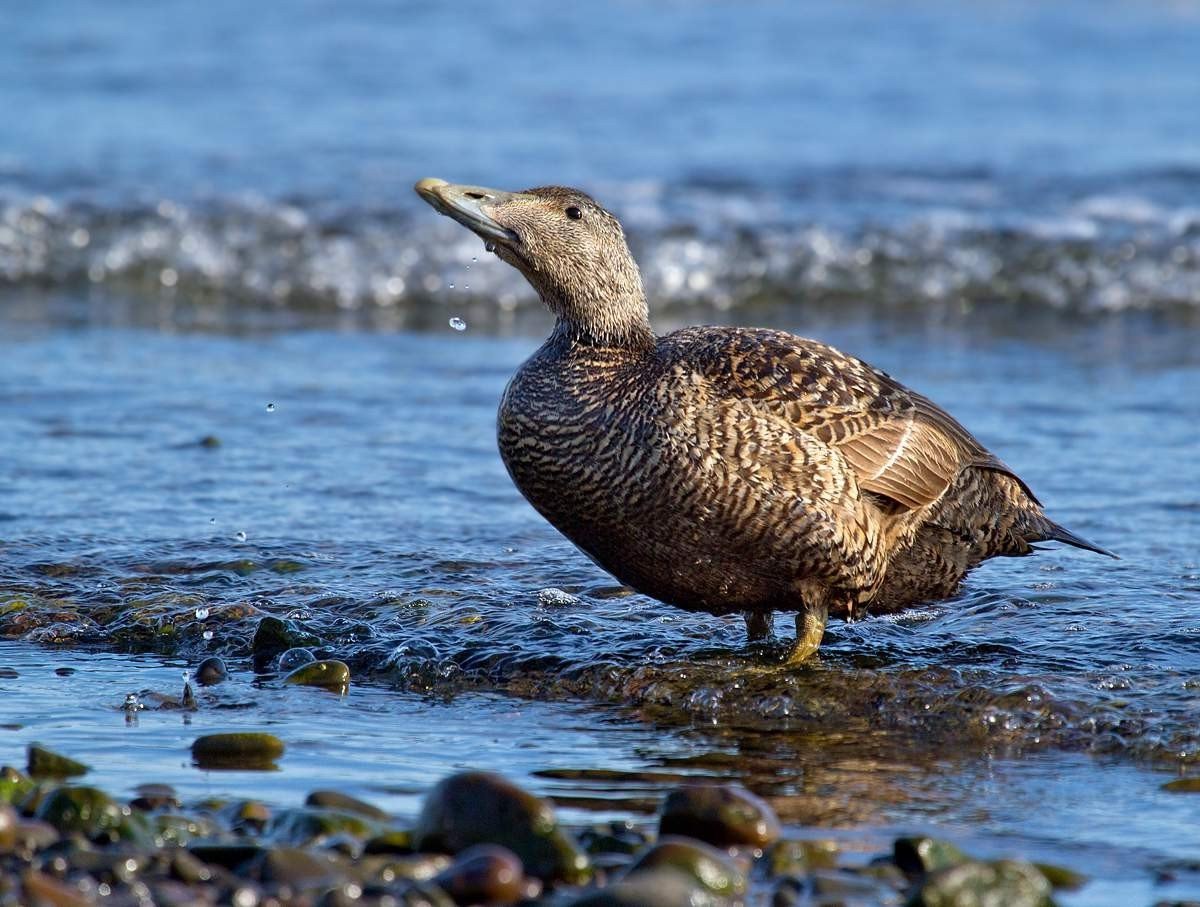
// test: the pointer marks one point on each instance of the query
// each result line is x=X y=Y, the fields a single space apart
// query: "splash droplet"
x=201 y=613
x=489 y=247
x=452 y=284
x=458 y=324
x=132 y=703
x=240 y=536
x=474 y=259
x=466 y=286
x=270 y=407
x=207 y=634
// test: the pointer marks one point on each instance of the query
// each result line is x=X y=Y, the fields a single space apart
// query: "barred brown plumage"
x=730 y=469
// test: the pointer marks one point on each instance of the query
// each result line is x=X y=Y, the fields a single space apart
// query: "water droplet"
x=458 y=324
x=270 y=407
x=207 y=634
x=240 y=536
x=212 y=519
x=489 y=247
x=474 y=259
x=452 y=284
x=466 y=286
x=201 y=613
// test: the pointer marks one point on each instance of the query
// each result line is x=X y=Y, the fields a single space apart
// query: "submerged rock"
x=330 y=675
x=44 y=763
x=725 y=815
x=482 y=808
x=239 y=750
x=704 y=864
x=273 y=636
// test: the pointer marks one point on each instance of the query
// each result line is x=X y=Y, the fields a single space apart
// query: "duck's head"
x=568 y=247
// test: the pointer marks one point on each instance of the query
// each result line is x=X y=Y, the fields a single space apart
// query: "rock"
x=240 y=750
x=273 y=636
x=704 y=864
x=330 y=675
x=294 y=658
x=1062 y=878
x=618 y=837
x=789 y=891
x=422 y=867
x=8 y=828
x=795 y=858
x=298 y=869
x=920 y=856
x=44 y=763
x=393 y=841
x=974 y=884
x=211 y=671
x=1183 y=786
x=657 y=888
x=151 y=797
x=482 y=808
x=15 y=786
x=46 y=891
x=331 y=799
x=86 y=811
x=483 y=874
x=301 y=827
x=724 y=815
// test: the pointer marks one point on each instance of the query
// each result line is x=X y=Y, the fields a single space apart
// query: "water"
x=998 y=204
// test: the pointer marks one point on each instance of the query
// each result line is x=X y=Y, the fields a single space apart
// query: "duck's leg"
x=810 y=630
x=758 y=625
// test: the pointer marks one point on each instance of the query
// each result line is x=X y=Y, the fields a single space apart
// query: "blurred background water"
x=228 y=387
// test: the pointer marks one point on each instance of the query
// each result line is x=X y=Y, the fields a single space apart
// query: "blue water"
x=205 y=211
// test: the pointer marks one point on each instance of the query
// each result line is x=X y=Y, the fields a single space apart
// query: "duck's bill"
x=468 y=205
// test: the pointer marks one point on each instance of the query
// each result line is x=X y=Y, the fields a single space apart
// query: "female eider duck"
x=729 y=469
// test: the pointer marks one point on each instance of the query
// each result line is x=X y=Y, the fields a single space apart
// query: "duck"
x=731 y=469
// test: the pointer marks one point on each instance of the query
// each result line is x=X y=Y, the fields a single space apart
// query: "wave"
x=723 y=247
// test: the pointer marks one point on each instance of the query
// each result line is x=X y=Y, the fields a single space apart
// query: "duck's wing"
x=899 y=444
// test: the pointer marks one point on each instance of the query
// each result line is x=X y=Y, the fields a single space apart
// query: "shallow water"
x=1036 y=715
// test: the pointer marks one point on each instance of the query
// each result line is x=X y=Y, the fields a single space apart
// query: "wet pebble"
x=246 y=750
x=484 y=874
x=329 y=675
x=660 y=888
x=708 y=867
x=332 y=799
x=975 y=884
x=44 y=763
x=482 y=808
x=725 y=815
x=211 y=671
x=920 y=856
x=86 y=811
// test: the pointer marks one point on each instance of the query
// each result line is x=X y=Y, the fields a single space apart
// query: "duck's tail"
x=1053 y=532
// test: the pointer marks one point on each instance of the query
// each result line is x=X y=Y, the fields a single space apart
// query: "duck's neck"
x=622 y=322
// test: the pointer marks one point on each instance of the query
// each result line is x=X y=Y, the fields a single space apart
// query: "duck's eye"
x=574 y=213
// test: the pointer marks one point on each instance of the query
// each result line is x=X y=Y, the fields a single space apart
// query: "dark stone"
x=483 y=874
x=331 y=799
x=241 y=750
x=211 y=671
x=44 y=763
x=482 y=808
x=704 y=864
x=724 y=815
